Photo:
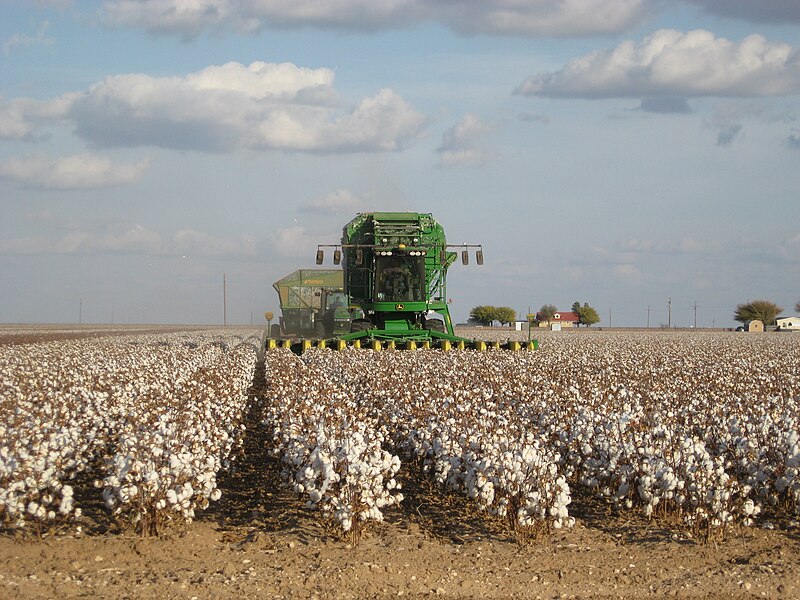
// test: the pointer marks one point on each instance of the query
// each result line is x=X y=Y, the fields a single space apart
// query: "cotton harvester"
x=394 y=274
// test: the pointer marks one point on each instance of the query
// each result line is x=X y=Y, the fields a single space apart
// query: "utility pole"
x=609 y=317
x=695 y=314
x=224 y=301
x=80 y=311
x=648 y=316
x=669 y=313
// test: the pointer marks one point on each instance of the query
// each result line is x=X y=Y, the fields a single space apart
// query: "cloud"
x=526 y=117
x=340 y=201
x=627 y=272
x=763 y=11
x=672 y=64
x=463 y=144
x=21 y=118
x=665 y=105
x=260 y=106
x=79 y=171
x=189 y=18
x=293 y=242
x=133 y=239
x=726 y=136
x=22 y=40
x=789 y=249
x=633 y=246
x=729 y=117
x=188 y=242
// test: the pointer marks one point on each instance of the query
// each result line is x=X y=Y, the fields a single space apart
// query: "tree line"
x=486 y=315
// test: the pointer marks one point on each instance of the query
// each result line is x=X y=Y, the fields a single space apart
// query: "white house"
x=789 y=324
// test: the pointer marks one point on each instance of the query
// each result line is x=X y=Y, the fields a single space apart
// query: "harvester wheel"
x=319 y=330
x=434 y=325
x=275 y=331
x=360 y=325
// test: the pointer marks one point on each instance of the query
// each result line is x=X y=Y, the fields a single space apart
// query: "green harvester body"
x=395 y=275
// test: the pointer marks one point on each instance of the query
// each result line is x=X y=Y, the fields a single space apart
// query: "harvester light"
x=320 y=256
x=479 y=256
x=337 y=256
x=384 y=240
x=464 y=257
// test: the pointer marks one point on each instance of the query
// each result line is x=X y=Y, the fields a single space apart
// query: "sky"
x=642 y=156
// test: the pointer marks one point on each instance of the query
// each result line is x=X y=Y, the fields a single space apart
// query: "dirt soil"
x=260 y=541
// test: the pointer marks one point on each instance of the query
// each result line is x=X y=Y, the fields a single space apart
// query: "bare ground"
x=260 y=541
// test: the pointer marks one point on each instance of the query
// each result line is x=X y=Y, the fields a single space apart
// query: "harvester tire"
x=319 y=330
x=360 y=325
x=434 y=325
x=275 y=331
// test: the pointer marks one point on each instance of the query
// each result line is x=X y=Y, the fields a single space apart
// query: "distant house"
x=563 y=319
x=789 y=324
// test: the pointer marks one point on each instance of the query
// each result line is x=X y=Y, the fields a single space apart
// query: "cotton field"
x=151 y=418
x=700 y=429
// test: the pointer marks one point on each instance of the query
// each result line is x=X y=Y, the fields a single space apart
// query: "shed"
x=754 y=326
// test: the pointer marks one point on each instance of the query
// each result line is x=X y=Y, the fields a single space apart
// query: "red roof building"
x=565 y=318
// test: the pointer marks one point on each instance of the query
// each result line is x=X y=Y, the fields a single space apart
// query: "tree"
x=504 y=314
x=763 y=310
x=587 y=315
x=547 y=312
x=483 y=314
x=797 y=306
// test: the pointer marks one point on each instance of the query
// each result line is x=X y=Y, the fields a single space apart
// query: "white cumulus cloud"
x=79 y=171
x=222 y=108
x=188 y=18
x=675 y=64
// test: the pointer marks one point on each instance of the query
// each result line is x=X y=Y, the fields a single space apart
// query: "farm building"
x=789 y=324
x=754 y=326
x=564 y=319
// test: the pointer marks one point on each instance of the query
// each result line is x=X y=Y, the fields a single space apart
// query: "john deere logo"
x=399 y=306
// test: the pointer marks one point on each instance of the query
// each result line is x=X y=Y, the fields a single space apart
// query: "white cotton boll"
x=215 y=494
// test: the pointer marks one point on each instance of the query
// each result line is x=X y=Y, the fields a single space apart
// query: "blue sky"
x=616 y=152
